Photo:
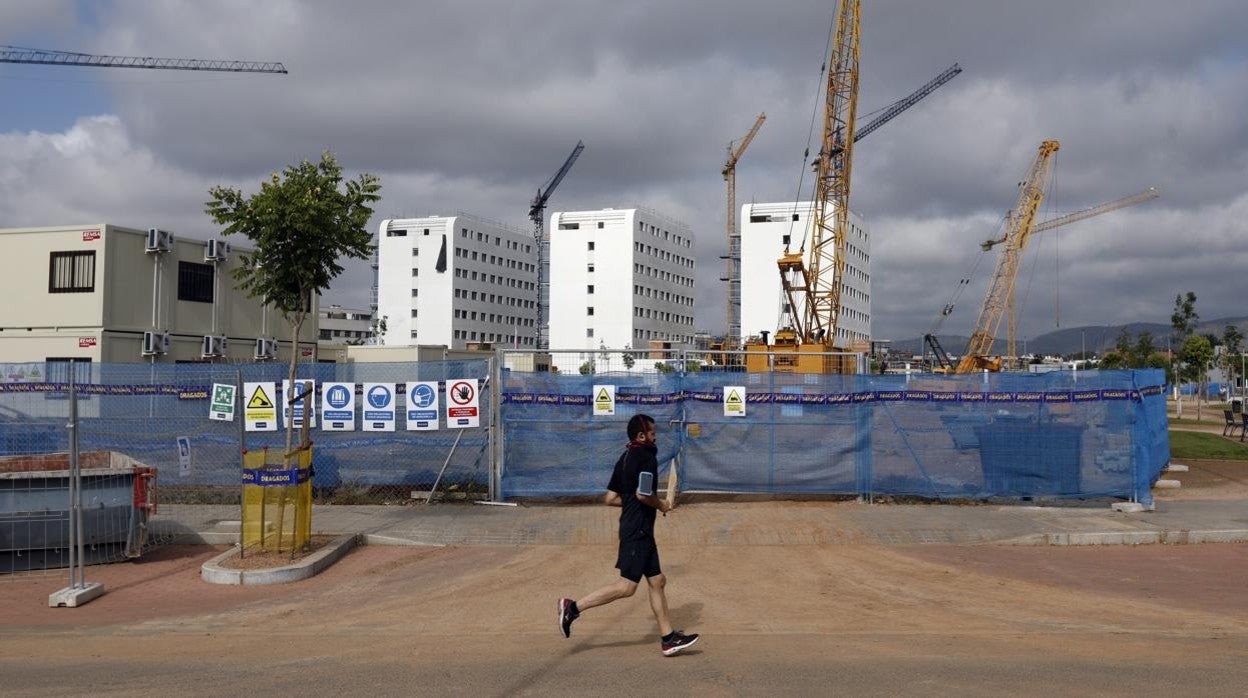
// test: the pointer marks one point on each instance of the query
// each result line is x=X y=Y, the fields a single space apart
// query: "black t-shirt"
x=636 y=518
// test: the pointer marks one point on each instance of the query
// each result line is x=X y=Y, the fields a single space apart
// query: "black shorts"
x=637 y=558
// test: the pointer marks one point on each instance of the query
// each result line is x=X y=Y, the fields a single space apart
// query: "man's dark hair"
x=638 y=424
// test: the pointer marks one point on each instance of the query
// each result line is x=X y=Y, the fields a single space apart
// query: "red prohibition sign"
x=461 y=393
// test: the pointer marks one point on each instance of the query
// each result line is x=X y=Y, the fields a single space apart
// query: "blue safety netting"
x=141 y=410
x=1062 y=435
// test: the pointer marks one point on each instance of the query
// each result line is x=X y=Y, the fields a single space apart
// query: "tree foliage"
x=1196 y=355
x=300 y=224
x=1184 y=319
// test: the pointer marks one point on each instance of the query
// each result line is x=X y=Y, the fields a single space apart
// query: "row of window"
x=663 y=296
x=485 y=239
x=510 y=320
x=648 y=314
x=642 y=248
x=74 y=272
x=647 y=335
x=668 y=276
x=497 y=260
x=491 y=278
x=474 y=336
x=490 y=298
x=658 y=232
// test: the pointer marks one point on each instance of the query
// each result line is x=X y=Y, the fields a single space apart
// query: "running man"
x=639 y=555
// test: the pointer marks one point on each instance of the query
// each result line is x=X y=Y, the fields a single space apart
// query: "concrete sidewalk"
x=750 y=523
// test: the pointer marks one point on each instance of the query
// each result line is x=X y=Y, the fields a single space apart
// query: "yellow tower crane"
x=735 y=150
x=1000 y=297
x=942 y=359
x=813 y=283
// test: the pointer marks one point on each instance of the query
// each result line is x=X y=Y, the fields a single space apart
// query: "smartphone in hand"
x=645 y=483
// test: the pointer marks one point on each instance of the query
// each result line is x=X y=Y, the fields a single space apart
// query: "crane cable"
x=956 y=295
x=810 y=132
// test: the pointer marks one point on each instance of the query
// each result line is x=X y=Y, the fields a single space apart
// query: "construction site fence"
x=543 y=430
x=156 y=417
x=1018 y=436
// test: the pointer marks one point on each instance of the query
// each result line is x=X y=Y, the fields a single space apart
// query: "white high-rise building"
x=764 y=230
x=619 y=278
x=456 y=280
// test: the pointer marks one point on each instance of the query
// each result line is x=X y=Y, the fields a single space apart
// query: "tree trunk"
x=295 y=324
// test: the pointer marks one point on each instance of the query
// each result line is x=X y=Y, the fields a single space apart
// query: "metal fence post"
x=78 y=592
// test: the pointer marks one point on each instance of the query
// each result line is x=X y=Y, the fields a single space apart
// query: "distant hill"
x=1065 y=342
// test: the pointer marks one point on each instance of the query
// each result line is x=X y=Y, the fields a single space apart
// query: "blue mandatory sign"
x=379 y=397
x=338 y=397
x=422 y=396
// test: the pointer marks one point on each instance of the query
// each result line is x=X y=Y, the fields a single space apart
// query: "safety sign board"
x=422 y=405
x=295 y=412
x=604 y=400
x=734 y=401
x=379 y=407
x=259 y=410
x=184 y=455
x=222 y=408
x=338 y=406
x=462 y=404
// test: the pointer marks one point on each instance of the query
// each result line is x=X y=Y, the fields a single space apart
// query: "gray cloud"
x=472 y=105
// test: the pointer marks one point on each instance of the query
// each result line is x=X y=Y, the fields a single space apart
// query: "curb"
x=213 y=573
x=1169 y=537
x=378 y=539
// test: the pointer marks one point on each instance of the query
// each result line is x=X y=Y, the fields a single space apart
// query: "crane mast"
x=537 y=214
x=734 y=234
x=816 y=281
x=999 y=300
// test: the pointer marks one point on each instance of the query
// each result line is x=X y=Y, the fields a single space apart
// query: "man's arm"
x=653 y=502
x=612 y=499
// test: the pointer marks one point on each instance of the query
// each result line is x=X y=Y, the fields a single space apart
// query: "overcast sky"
x=465 y=105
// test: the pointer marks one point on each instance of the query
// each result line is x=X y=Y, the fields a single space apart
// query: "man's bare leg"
x=658 y=603
x=622 y=589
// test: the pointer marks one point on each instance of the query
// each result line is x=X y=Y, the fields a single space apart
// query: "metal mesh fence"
x=1059 y=435
x=156 y=416
x=551 y=424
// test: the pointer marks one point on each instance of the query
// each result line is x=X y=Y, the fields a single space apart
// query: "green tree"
x=1184 y=319
x=1196 y=355
x=1144 y=348
x=1125 y=348
x=300 y=224
x=1112 y=360
x=586 y=368
x=1232 y=347
x=628 y=358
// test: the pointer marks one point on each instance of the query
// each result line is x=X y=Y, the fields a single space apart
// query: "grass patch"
x=1192 y=444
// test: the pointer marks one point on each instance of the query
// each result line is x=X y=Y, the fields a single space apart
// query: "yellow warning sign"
x=734 y=401
x=259 y=401
x=604 y=400
x=259 y=413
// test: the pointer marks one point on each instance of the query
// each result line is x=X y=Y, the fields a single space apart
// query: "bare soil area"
x=1208 y=479
x=797 y=619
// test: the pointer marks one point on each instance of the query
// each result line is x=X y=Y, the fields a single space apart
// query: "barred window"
x=195 y=282
x=71 y=272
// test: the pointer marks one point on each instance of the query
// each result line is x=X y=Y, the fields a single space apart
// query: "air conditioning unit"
x=216 y=251
x=214 y=345
x=266 y=349
x=155 y=342
x=158 y=240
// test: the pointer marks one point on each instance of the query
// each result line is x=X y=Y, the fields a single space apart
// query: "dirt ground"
x=1208 y=479
x=791 y=619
